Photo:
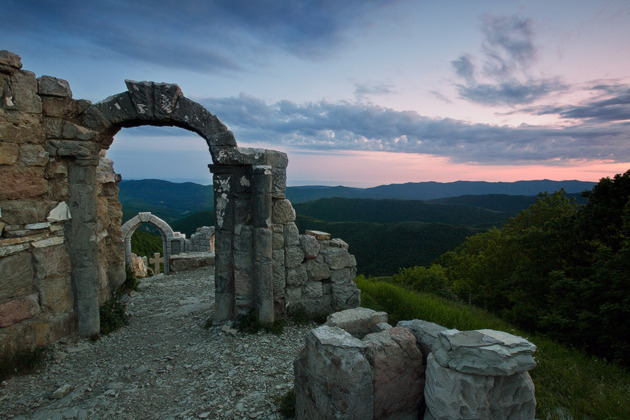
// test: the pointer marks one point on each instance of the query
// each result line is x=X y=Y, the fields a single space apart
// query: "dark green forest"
x=557 y=268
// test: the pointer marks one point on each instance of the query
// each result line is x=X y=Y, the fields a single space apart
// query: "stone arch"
x=166 y=232
x=245 y=182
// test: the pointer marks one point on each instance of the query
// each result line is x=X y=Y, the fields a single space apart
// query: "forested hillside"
x=557 y=267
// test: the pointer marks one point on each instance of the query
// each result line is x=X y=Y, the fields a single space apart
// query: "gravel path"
x=164 y=365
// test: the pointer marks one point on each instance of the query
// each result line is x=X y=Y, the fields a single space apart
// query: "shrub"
x=21 y=361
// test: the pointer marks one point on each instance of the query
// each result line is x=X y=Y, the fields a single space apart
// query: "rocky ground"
x=164 y=365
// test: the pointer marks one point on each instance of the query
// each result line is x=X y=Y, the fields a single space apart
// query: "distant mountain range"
x=435 y=190
x=387 y=227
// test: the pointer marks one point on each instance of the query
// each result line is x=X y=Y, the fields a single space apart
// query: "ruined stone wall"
x=36 y=293
x=61 y=244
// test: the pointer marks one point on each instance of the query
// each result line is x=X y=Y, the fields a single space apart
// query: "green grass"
x=566 y=378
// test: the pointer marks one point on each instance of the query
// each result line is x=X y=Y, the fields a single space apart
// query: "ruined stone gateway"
x=61 y=243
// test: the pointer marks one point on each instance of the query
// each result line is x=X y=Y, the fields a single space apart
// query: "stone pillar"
x=81 y=232
x=224 y=262
x=263 y=249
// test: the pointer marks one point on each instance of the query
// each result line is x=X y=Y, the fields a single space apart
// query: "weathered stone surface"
x=140 y=265
x=333 y=379
x=52 y=86
x=10 y=60
x=22 y=182
x=75 y=132
x=60 y=213
x=345 y=293
x=452 y=395
x=297 y=276
x=21 y=212
x=357 y=321
x=18 y=310
x=321 y=236
x=424 y=331
x=291 y=234
x=398 y=373
x=56 y=106
x=338 y=258
x=17 y=276
x=293 y=256
x=56 y=294
x=19 y=127
x=73 y=148
x=8 y=153
x=309 y=245
x=317 y=269
x=191 y=260
x=283 y=212
x=484 y=352
x=53 y=261
x=24 y=89
x=33 y=155
x=338 y=243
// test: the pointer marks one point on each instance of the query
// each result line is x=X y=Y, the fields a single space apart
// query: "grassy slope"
x=586 y=386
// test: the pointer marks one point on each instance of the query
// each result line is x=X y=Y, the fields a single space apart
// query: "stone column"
x=81 y=232
x=263 y=249
x=224 y=239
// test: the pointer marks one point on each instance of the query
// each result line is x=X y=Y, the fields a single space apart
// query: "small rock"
x=61 y=392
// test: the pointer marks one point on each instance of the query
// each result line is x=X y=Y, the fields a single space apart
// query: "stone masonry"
x=357 y=366
x=61 y=242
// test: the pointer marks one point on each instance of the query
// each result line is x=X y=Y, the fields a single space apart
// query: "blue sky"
x=356 y=92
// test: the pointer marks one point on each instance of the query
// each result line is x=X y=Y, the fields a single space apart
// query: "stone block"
x=52 y=86
x=17 y=276
x=320 y=236
x=293 y=295
x=357 y=321
x=24 y=90
x=10 y=61
x=398 y=372
x=297 y=276
x=8 y=153
x=278 y=240
x=165 y=98
x=291 y=235
x=18 y=310
x=338 y=243
x=283 y=212
x=317 y=269
x=338 y=258
x=332 y=356
x=33 y=155
x=293 y=256
x=21 y=212
x=53 y=261
x=56 y=169
x=72 y=148
x=309 y=245
x=452 y=395
x=313 y=290
x=18 y=127
x=56 y=294
x=60 y=213
x=424 y=331
x=345 y=295
x=54 y=106
x=20 y=183
x=484 y=352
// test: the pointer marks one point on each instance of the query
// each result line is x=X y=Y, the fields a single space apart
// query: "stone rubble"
x=164 y=365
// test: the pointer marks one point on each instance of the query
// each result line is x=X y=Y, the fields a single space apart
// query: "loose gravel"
x=166 y=364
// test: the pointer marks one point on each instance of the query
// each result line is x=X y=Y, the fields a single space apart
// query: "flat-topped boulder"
x=484 y=352
x=190 y=260
x=358 y=321
x=425 y=332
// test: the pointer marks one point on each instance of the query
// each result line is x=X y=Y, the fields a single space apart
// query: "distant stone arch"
x=171 y=241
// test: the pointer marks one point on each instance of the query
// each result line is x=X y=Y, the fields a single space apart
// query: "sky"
x=356 y=92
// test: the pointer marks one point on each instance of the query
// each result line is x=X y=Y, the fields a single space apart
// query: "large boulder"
x=484 y=352
x=452 y=395
x=333 y=378
x=398 y=373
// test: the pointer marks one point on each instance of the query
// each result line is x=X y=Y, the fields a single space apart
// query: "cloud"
x=362 y=126
x=191 y=34
x=508 y=53
x=611 y=104
x=509 y=93
x=363 y=90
